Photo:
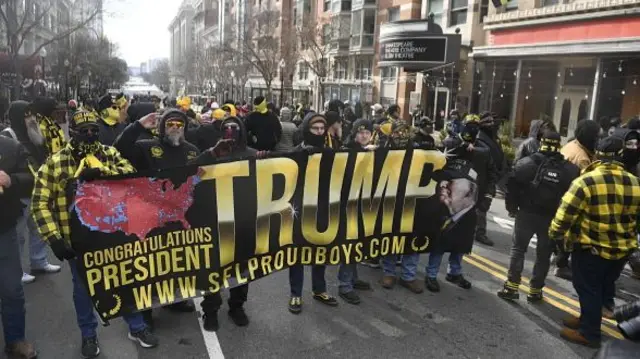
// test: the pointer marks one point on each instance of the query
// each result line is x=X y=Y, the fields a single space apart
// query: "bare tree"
x=262 y=47
x=19 y=19
x=315 y=44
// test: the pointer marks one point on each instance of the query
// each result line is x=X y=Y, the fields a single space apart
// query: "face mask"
x=231 y=131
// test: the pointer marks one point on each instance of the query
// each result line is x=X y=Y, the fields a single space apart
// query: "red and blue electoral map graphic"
x=134 y=206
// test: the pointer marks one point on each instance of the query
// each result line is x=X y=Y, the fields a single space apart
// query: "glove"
x=62 y=250
x=90 y=174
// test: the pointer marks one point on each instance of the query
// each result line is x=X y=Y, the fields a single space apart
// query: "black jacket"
x=206 y=136
x=484 y=166
x=521 y=194
x=495 y=150
x=109 y=134
x=264 y=131
x=156 y=154
x=630 y=158
x=125 y=143
x=532 y=144
x=13 y=161
x=37 y=154
x=239 y=151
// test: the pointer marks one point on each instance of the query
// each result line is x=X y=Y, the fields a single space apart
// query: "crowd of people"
x=547 y=195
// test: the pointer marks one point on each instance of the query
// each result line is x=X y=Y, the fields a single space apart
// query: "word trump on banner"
x=147 y=240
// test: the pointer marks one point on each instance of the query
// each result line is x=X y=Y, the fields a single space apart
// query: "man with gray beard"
x=26 y=130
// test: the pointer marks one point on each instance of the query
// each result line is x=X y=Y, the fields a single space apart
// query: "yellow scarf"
x=110 y=116
x=262 y=107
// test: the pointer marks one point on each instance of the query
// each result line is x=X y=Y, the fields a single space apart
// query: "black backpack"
x=548 y=183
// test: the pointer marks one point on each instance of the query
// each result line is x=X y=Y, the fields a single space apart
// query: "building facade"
x=563 y=60
x=182 y=37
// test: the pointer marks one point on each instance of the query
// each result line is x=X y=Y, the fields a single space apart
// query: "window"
x=435 y=7
x=303 y=71
x=458 y=13
x=394 y=14
x=340 y=70
x=369 y=22
x=363 y=68
x=389 y=74
x=512 y=5
x=327 y=5
x=356 y=25
x=484 y=9
x=549 y=2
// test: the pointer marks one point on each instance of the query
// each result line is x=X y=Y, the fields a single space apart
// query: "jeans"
x=37 y=247
x=237 y=297
x=528 y=224
x=85 y=315
x=296 y=279
x=11 y=292
x=435 y=259
x=593 y=278
x=409 y=266
x=347 y=275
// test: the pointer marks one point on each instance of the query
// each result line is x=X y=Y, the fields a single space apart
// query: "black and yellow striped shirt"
x=600 y=211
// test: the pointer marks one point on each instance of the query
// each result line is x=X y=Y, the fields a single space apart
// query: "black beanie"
x=610 y=149
x=258 y=100
x=332 y=117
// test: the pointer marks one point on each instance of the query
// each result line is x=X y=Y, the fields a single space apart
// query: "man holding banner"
x=314 y=127
x=84 y=158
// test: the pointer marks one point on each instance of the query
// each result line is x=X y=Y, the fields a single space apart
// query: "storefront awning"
x=555 y=49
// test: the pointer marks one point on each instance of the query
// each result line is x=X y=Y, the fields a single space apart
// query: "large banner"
x=145 y=241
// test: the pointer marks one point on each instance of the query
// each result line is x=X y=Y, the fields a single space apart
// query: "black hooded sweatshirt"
x=264 y=130
x=13 y=161
x=309 y=140
x=37 y=154
x=156 y=154
x=134 y=131
x=239 y=150
x=630 y=158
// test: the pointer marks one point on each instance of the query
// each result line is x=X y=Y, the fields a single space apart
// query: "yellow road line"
x=547 y=290
x=556 y=304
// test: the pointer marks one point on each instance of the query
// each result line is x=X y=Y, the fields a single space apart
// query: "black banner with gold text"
x=145 y=241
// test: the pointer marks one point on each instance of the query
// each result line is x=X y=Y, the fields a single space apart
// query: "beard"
x=34 y=133
x=174 y=139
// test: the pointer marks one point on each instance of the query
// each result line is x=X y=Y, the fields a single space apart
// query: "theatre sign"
x=416 y=45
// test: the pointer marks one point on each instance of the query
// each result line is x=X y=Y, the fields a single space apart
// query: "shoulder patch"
x=156 y=151
x=191 y=155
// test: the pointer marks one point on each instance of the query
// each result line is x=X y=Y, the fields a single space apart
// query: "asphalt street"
x=455 y=323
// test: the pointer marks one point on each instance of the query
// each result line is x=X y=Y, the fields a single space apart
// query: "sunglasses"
x=177 y=124
x=88 y=130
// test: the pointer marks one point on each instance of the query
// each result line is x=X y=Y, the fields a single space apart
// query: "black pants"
x=528 y=224
x=594 y=279
x=296 y=279
x=211 y=303
x=482 y=208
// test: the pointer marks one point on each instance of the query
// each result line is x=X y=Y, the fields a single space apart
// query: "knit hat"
x=610 y=149
x=82 y=117
x=550 y=141
x=362 y=124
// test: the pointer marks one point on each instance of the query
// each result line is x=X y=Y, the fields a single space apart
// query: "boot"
x=210 y=322
x=509 y=291
x=432 y=284
x=571 y=322
x=574 y=336
x=413 y=285
x=485 y=240
x=535 y=295
x=388 y=281
x=238 y=316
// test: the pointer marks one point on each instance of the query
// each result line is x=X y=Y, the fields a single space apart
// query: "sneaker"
x=90 y=347
x=27 y=278
x=372 y=262
x=145 y=338
x=459 y=280
x=432 y=284
x=295 y=305
x=575 y=336
x=325 y=298
x=351 y=297
x=535 y=295
x=509 y=291
x=388 y=281
x=238 y=316
x=21 y=350
x=485 y=240
x=210 y=322
x=361 y=285
x=413 y=285
x=47 y=268
x=182 y=307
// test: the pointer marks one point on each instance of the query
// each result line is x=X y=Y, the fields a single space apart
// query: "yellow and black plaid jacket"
x=50 y=202
x=53 y=135
x=600 y=211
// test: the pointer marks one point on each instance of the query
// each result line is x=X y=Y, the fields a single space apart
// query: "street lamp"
x=66 y=79
x=43 y=54
x=282 y=65
x=233 y=77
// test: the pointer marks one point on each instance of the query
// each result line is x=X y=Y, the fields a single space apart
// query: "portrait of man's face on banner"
x=457 y=189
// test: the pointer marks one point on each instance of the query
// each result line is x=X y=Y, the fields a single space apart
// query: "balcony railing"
x=339 y=44
x=359 y=41
x=356 y=4
x=564 y=8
